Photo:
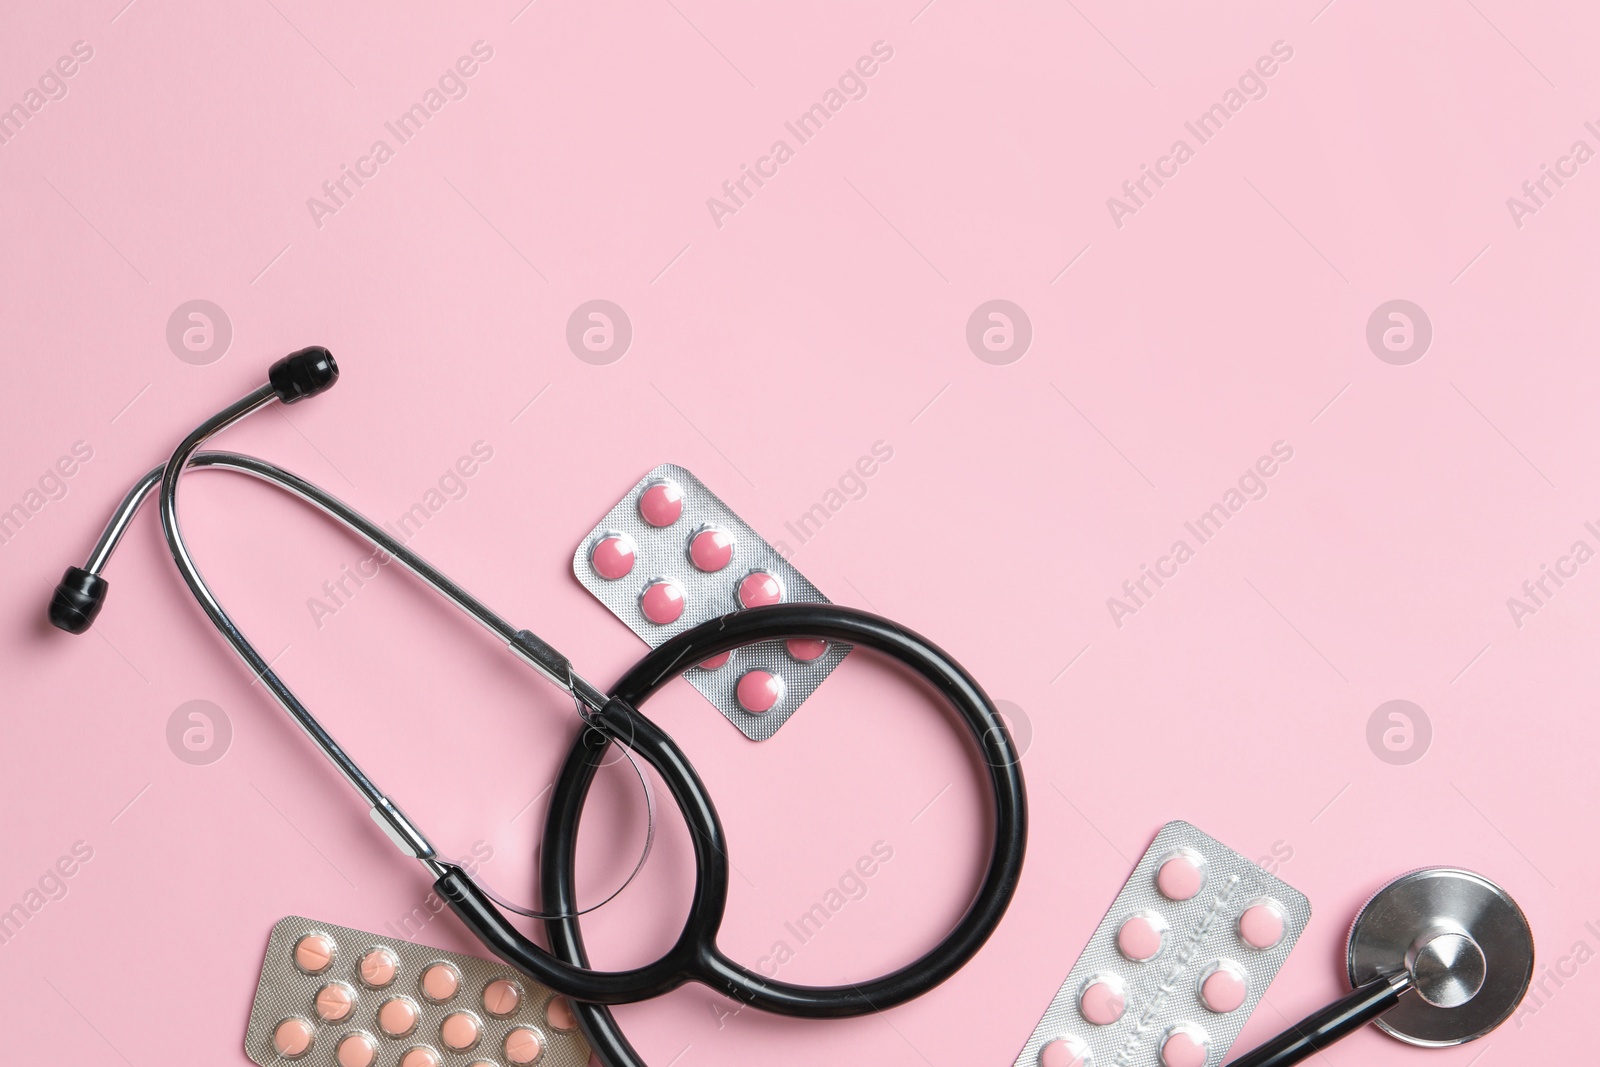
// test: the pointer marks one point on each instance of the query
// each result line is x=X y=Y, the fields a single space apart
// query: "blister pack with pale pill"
x=330 y=996
x=1178 y=963
x=670 y=556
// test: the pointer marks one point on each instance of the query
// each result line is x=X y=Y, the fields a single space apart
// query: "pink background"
x=768 y=354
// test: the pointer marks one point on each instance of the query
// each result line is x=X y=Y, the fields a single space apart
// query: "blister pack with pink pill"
x=330 y=996
x=1178 y=963
x=670 y=556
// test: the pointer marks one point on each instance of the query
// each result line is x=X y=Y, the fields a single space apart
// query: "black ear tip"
x=304 y=373
x=77 y=600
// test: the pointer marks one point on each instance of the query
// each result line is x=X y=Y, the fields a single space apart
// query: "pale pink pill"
x=313 y=953
x=501 y=997
x=1140 y=936
x=711 y=549
x=1103 y=1000
x=715 y=661
x=759 y=691
x=1224 y=989
x=805 y=649
x=612 y=557
x=421 y=1056
x=440 y=982
x=460 y=1031
x=356 y=1050
x=523 y=1045
x=1261 y=925
x=378 y=967
x=661 y=504
x=759 y=589
x=558 y=1013
x=398 y=1016
x=335 y=1001
x=1185 y=1046
x=292 y=1037
x=1069 y=1051
x=662 y=601
x=1181 y=875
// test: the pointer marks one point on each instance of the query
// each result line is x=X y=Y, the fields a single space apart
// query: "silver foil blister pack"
x=1177 y=965
x=331 y=996
x=670 y=556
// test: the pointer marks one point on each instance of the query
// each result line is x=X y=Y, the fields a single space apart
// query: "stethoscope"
x=608 y=718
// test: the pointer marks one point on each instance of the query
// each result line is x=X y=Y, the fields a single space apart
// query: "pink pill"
x=1261 y=925
x=378 y=967
x=1103 y=1000
x=1069 y=1051
x=612 y=557
x=421 y=1056
x=523 y=1045
x=1141 y=935
x=440 y=982
x=661 y=504
x=759 y=691
x=398 y=1016
x=460 y=1031
x=715 y=661
x=313 y=953
x=1181 y=875
x=501 y=997
x=334 y=1002
x=1224 y=989
x=559 y=1014
x=805 y=649
x=1185 y=1046
x=356 y=1050
x=711 y=549
x=292 y=1037
x=662 y=601
x=759 y=589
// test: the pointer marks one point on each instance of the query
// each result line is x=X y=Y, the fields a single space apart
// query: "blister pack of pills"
x=671 y=555
x=330 y=996
x=1178 y=963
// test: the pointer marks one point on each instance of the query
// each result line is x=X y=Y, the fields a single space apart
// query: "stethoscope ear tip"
x=304 y=373
x=77 y=600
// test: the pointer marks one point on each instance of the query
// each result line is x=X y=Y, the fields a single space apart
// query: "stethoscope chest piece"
x=1462 y=943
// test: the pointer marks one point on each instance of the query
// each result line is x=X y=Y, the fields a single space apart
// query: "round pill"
x=356 y=1050
x=440 y=982
x=711 y=549
x=612 y=557
x=421 y=1056
x=1068 y=1051
x=292 y=1037
x=558 y=1013
x=1185 y=1046
x=378 y=967
x=662 y=601
x=398 y=1016
x=1224 y=989
x=759 y=691
x=805 y=649
x=1261 y=925
x=661 y=503
x=460 y=1031
x=1103 y=1000
x=334 y=1001
x=1181 y=875
x=523 y=1045
x=714 y=662
x=501 y=997
x=313 y=953
x=1140 y=937
x=759 y=589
